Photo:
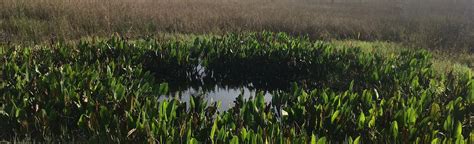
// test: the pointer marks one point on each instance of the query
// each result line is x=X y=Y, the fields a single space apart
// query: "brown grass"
x=435 y=24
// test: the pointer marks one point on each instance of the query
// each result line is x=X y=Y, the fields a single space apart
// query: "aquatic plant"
x=109 y=90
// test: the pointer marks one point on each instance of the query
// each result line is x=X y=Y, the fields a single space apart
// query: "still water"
x=225 y=82
x=225 y=95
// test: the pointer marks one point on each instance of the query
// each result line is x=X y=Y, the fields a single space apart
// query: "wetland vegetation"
x=111 y=90
x=237 y=71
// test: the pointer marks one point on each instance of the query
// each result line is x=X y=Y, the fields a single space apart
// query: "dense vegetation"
x=109 y=90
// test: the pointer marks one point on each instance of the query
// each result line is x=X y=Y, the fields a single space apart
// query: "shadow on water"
x=215 y=84
x=225 y=78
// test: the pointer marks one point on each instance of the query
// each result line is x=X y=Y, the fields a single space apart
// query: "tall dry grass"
x=435 y=24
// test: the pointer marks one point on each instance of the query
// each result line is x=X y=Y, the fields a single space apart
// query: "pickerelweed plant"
x=108 y=90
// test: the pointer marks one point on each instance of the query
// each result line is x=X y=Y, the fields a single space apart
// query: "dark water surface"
x=224 y=82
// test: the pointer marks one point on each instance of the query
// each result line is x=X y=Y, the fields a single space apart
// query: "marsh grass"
x=443 y=62
x=433 y=24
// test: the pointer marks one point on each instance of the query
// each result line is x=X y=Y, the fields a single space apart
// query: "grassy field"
x=318 y=71
x=432 y=24
x=442 y=61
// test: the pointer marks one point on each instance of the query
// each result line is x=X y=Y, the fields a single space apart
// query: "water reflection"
x=225 y=79
x=225 y=95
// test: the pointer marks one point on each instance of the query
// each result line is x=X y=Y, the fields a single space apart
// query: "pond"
x=224 y=79
x=201 y=82
x=225 y=95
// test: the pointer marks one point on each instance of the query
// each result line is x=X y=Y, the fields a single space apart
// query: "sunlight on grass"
x=442 y=61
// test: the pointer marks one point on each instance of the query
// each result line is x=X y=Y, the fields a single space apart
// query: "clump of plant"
x=109 y=91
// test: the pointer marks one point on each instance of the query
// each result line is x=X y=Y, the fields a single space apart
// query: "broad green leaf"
x=313 y=139
x=193 y=141
x=234 y=140
x=361 y=121
x=412 y=116
x=334 y=116
x=372 y=122
x=435 y=141
x=435 y=111
x=395 y=129
x=213 y=130
x=459 y=130
x=357 y=140
x=322 y=140
x=460 y=140
x=448 y=123
x=243 y=132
